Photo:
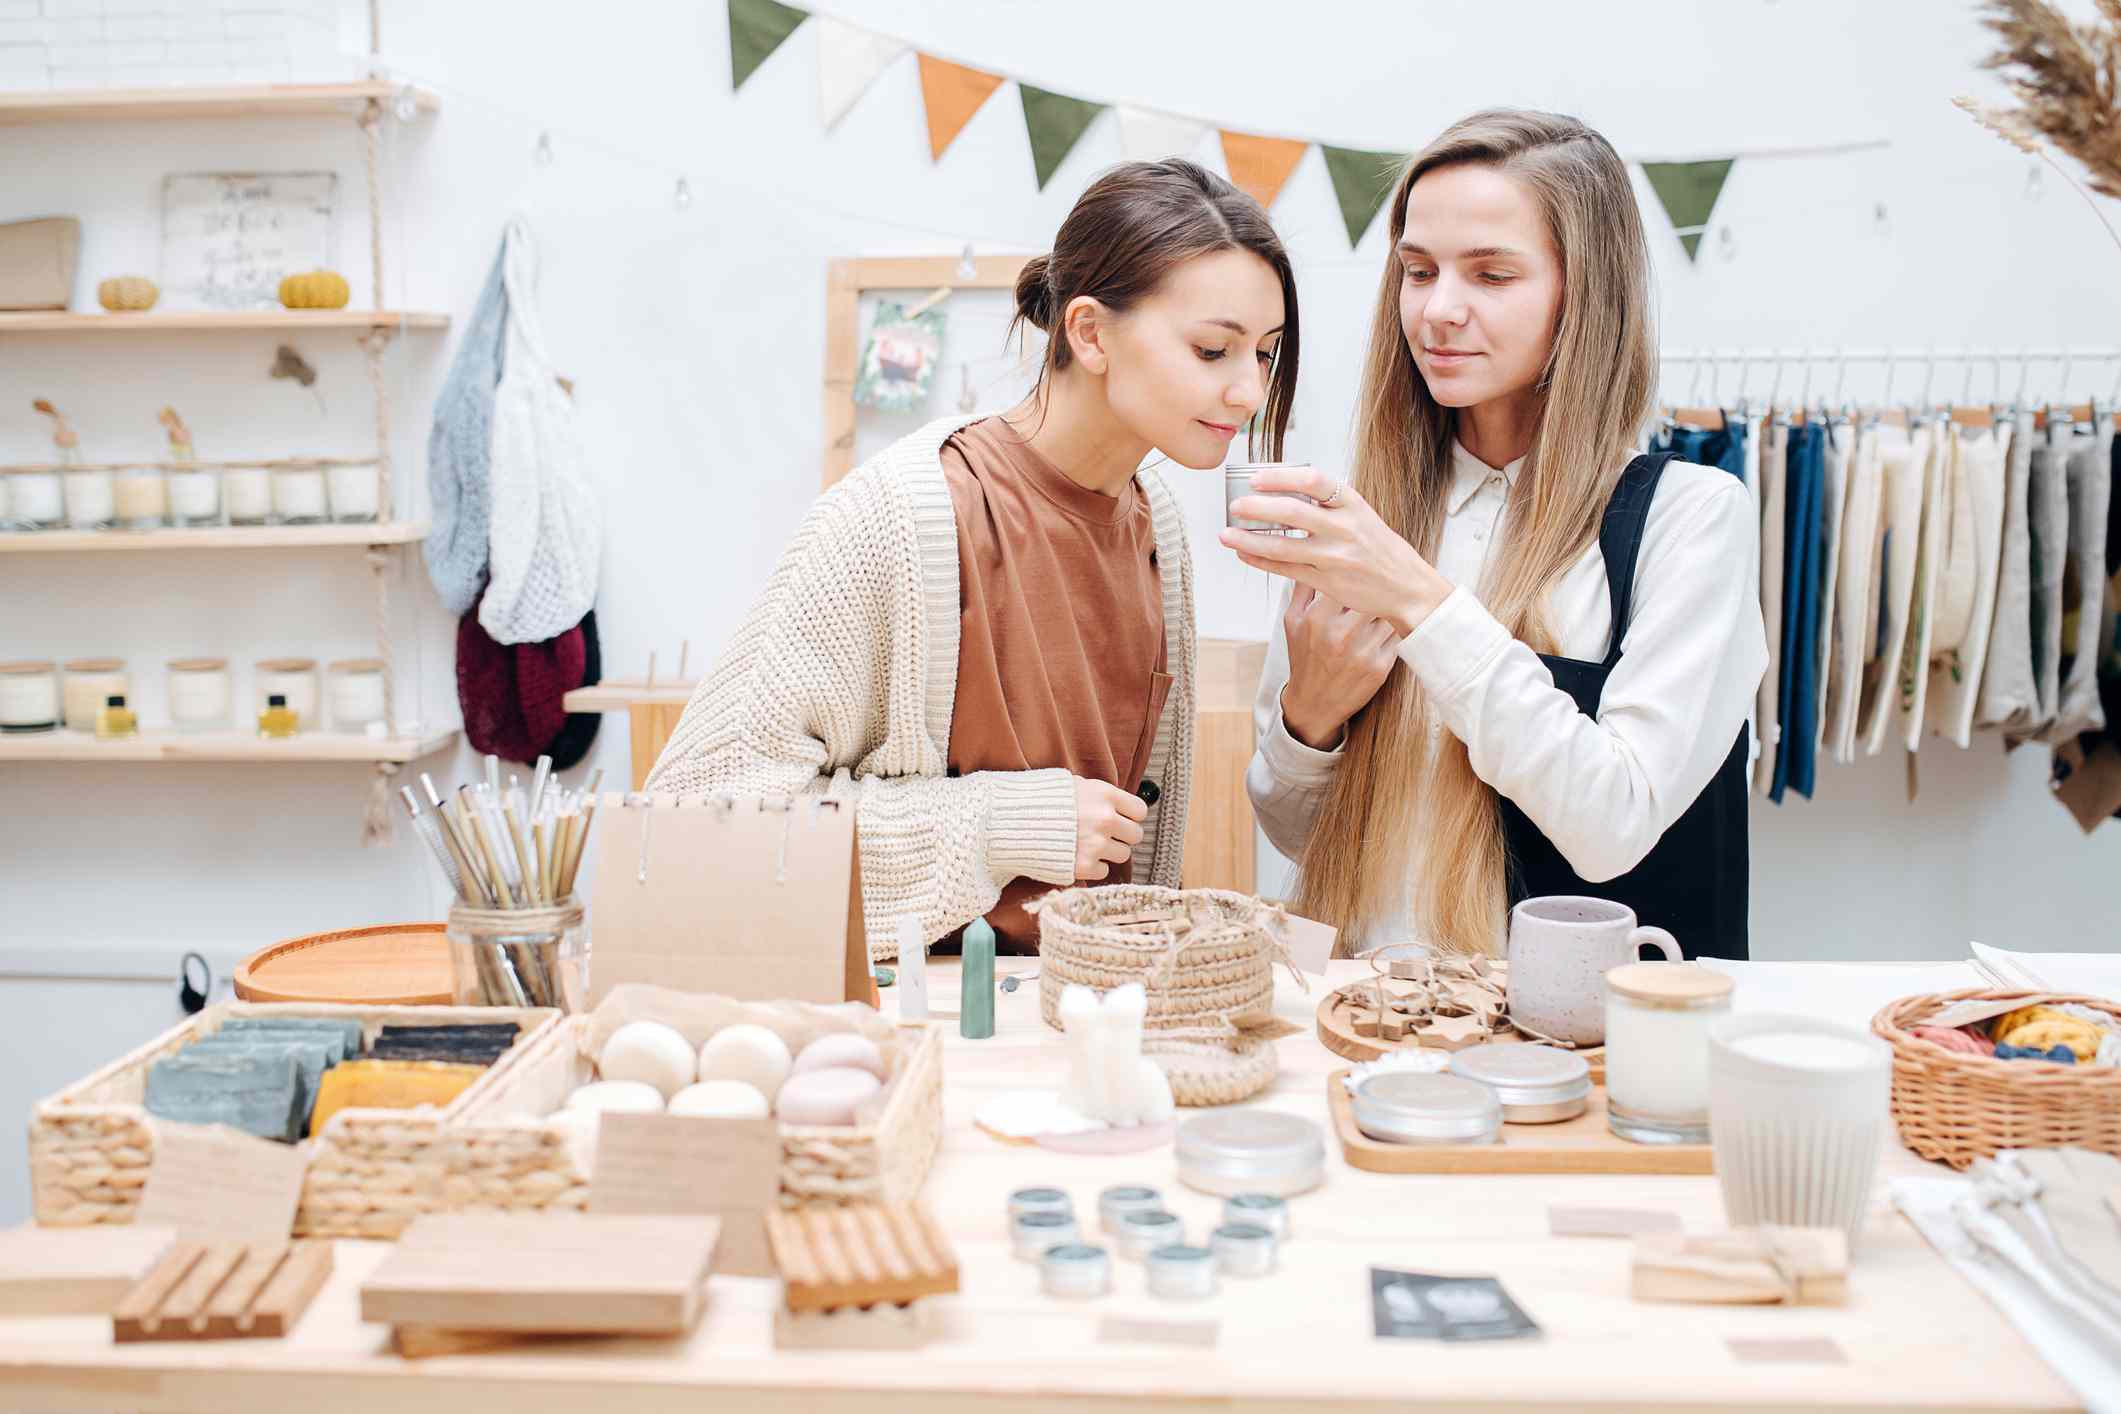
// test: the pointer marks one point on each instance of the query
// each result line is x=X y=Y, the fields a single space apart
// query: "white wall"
x=695 y=340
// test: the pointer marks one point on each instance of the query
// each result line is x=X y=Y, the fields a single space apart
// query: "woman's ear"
x=1085 y=323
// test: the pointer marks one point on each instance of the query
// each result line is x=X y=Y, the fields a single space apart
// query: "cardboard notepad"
x=757 y=899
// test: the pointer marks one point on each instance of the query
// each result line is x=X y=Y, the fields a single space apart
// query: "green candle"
x=975 y=1007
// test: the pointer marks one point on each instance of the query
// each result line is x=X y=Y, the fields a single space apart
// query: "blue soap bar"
x=332 y=1042
x=311 y=1055
x=346 y=1028
x=256 y=1093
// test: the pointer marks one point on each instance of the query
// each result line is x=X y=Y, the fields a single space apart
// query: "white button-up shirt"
x=1603 y=789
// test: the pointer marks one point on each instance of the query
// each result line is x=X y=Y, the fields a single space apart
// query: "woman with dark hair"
x=983 y=637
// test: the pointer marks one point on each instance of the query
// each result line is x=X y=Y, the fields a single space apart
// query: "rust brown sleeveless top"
x=1061 y=658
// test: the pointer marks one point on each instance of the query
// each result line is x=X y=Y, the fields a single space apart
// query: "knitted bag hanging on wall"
x=460 y=450
x=547 y=528
x=511 y=694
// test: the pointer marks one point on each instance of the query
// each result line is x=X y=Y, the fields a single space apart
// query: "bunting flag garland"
x=849 y=60
x=1261 y=165
x=952 y=93
x=1361 y=183
x=756 y=29
x=1688 y=192
x=1056 y=123
x=1146 y=135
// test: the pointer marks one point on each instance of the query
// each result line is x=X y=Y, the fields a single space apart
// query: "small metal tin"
x=1033 y=1233
x=1039 y=1200
x=1181 y=1273
x=1237 y=484
x=1403 y=1107
x=1251 y=1151
x=1115 y=1203
x=1536 y=1084
x=1142 y=1233
x=1075 y=1269
x=1243 y=1249
x=1259 y=1210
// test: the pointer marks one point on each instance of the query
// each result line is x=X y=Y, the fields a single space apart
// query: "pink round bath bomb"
x=843 y=1050
x=828 y=1097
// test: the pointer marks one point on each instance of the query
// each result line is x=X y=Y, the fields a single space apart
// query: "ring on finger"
x=1333 y=500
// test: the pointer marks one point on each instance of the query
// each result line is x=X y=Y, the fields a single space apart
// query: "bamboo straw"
x=473 y=829
x=516 y=841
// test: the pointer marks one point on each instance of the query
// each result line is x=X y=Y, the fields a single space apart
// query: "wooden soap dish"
x=860 y=1255
x=1579 y=1145
x=224 y=1290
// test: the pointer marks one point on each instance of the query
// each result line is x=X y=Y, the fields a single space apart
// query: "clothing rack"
x=1710 y=364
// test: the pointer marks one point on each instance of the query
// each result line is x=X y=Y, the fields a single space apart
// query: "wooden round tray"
x=398 y=964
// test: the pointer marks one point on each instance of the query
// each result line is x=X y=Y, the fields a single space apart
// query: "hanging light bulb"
x=681 y=198
x=966 y=269
x=1727 y=243
x=543 y=155
x=406 y=106
x=2034 y=187
x=1882 y=217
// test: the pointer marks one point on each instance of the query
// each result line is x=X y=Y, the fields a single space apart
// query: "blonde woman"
x=1516 y=660
x=983 y=638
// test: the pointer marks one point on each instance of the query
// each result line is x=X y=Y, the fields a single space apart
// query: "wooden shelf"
x=201 y=101
x=214 y=537
x=264 y=321
x=618 y=696
x=233 y=746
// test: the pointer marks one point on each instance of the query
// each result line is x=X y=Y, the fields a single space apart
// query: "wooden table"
x=1915 y=1334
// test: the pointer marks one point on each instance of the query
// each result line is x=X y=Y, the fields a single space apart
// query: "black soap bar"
x=479 y=1054
x=257 y=1092
x=503 y=1032
x=466 y=1044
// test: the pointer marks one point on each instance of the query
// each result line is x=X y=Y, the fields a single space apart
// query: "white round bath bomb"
x=617 y=1097
x=651 y=1053
x=825 y=1096
x=721 y=1099
x=842 y=1050
x=752 y=1054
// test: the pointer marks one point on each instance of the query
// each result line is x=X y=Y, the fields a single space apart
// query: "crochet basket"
x=1957 y=1108
x=1203 y=984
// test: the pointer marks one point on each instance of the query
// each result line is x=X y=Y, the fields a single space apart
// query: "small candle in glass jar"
x=90 y=682
x=91 y=502
x=248 y=490
x=298 y=496
x=142 y=498
x=29 y=697
x=356 y=693
x=1657 y=1017
x=199 y=697
x=356 y=492
x=294 y=679
x=195 y=497
x=35 y=500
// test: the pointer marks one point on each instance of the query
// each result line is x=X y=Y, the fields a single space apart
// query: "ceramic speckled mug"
x=1560 y=951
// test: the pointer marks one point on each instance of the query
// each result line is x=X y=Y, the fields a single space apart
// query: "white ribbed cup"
x=1797 y=1135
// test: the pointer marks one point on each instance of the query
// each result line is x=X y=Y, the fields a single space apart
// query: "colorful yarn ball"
x=2011 y=1021
x=2061 y=1055
x=1956 y=1038
x=2056 y=1029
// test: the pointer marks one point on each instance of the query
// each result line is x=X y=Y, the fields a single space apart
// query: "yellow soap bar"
x=389 y=1085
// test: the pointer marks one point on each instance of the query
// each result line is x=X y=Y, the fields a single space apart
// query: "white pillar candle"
x=89 y=683
x=142 y=498
x=356 y=693
x=1079 y=1018
x=36 y=499
x=195 y=497
x=356 y=492
x=1657 y=1018
x=29 y=697
x=294 y=679
x=298 y=496
x=249 y=493
x=91 y=501
x=199 y=696
x=1125 y=1009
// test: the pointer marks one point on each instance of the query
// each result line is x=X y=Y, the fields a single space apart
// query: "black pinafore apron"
x=1693 y=882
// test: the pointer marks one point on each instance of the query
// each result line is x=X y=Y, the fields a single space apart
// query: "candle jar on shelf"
x=199 y=696
x=356 y=492
x=90 y=682
x=357 y=694
x=140 y=495
x=294 y=679
x=91 y=498
x=298 y=496
x=248 y=492
x=35 y=500
x=195 y=497
x=29 y=697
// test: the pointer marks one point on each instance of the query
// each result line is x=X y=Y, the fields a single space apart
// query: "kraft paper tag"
x=1609 y=1222
x=211 y=1182
x=1128 y=1330
x=1967 y=1013
x=1787 y=1350
x=1310 y=944
x=689 y=1165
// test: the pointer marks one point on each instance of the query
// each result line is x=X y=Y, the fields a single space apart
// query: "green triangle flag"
x=1056 y=123
x=1361 y=182
x=1688 y=191
x=756 y=29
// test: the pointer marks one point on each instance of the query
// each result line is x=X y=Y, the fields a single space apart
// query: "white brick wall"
x=139 y=43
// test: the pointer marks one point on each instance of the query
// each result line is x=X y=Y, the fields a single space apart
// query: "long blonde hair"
x=1596 y=392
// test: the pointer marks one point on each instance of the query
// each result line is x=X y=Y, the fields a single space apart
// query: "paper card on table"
x=1126 y=1330
x=1968 y=1013
x=1609 y=1222
x=1310 y=944
x=1787 y=1350
x=662 y=1163
x=212 y=1182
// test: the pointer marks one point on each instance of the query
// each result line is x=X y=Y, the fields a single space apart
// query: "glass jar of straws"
x=519 y=957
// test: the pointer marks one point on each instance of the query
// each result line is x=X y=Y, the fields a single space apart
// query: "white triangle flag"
x=1146 y=135
x=848 y=61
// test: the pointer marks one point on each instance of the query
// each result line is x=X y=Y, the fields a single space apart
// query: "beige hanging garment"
x=2090 y=475
x=1960 y=651
x=2007 y=673
x=1929 y=574
x=1855 y=593
x=1774 y=458
x=1904 y=455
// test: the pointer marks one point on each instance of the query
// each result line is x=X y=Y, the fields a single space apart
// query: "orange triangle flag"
x=952 y=93
x=1259 y=165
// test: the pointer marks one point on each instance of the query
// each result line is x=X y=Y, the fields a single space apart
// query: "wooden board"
x=224 y=1291
x=1579 y=1145
x=279 y=100
x=230 y=746
x=862 y=1254
x=1221 y=847
x=214 y=537
x=46 y=1271
x=1336 y=1032
x=260 y=321
x=586 y=1273
x=398 y=964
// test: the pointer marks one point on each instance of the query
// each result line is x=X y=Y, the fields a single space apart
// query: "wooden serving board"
x=1336 y=1032
x=399 y=964
x=1579 y=1145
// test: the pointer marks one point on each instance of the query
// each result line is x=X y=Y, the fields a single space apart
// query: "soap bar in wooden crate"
x=861 y=1254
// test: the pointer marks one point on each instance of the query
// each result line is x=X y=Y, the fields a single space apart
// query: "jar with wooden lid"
x=29 y=697
x=294 y=679
x=199 y=695
x=1657 y=1019
x=90 y=682
x=357 y=695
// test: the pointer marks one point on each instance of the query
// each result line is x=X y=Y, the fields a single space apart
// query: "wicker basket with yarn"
x=1204 y=984
x=1956 y=1108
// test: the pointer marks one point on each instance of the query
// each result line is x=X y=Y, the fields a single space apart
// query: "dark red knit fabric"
x=511 y=694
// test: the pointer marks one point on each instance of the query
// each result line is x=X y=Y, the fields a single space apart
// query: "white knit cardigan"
x=841 y=683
